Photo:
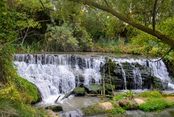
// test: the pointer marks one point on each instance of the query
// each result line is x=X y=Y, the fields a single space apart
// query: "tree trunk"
x=164 y=38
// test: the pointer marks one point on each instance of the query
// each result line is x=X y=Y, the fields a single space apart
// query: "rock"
x=128 y=104
x=81 y=79
x=93 y=110
x=52 y=114
x=81 y=63
x=55 y=108
x=106 y=106
x=79 y=91
x=139 y=101
x=159 y=84
x=170 y=67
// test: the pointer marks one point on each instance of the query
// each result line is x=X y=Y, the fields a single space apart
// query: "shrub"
x=83 y=37
x=10 y=108
x=152 y=94
x=116 y=111
x=154 y=104
x=127 y=94
x=16 y=88
x=60 y=38
x=94 y=88
x=79 y=91
x=119 y=97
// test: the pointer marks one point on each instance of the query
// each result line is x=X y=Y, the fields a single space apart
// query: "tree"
x=164 y=38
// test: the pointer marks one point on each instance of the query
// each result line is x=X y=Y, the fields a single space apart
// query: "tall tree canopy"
x=108 y=8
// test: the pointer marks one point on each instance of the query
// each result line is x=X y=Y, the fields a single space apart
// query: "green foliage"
x=119 y=97
x=33 y=5
x=29 y=91
x=84 y=39
x=17 y=109
x=79 y=91
x=17 y=87
x=7 y=25
x=117 y=110
x=94 y=88
x=65 y=38
x=128 y=94
x=151 y=94
x=11 y=93
x=93 y=110
x=60 y=38
x=167 y=26
x=154 y=104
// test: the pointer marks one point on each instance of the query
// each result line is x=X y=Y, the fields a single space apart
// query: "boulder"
x=106 y=106
x=159 y=84
x=128 y=104
x=139 y=101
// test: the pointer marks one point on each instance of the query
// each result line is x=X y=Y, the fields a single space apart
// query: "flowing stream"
x=58 y=74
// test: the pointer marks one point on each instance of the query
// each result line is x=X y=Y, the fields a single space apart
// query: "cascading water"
x=137 y=78
x=58 y=74
x=124 y=76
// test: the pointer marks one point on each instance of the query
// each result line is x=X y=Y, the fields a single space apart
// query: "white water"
x=137 y=78
x=124 y=76
x=56 y=75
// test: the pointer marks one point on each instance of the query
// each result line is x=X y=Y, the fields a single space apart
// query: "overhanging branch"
x=164 y=38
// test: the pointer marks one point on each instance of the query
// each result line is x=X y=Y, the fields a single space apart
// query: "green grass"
x=119 y=96
x=10 y=108
x=155 y=104
x=152 y=94
x=123 y=95
x=116 y=112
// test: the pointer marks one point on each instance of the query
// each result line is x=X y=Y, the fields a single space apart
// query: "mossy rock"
x=55 y=108
x=79 y=91
x=93 y=110
x=159 y=84
x=11 y=108
x=128 y=104
x=109 y=67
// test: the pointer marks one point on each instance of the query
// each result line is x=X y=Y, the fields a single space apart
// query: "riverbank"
x=123 y=104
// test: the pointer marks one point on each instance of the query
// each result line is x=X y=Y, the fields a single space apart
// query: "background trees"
x=31 y=22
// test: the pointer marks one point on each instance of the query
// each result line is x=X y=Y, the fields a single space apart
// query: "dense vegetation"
x=64 y=25
x=148 y=101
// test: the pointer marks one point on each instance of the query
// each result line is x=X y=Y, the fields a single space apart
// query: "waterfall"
x=124 y=76
x=58 y=74
x=137 y=78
